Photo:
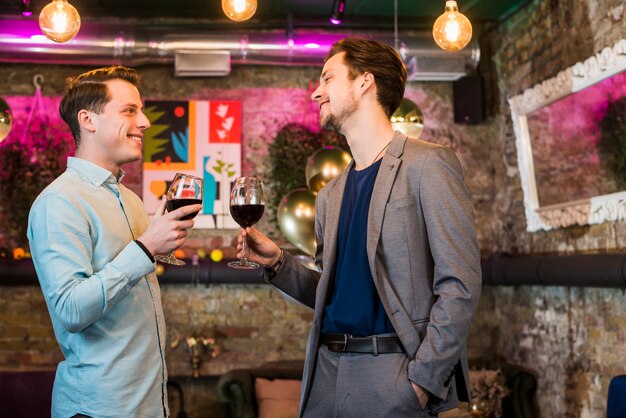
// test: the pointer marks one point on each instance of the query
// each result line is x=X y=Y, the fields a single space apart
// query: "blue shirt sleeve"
x=78 y=295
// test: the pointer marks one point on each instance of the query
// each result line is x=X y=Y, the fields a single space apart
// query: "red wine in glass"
x=184 y=190
x=174 y=204
x=247 y=215
x=246 y=207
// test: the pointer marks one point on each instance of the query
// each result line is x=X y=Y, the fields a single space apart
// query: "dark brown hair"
x=366 y=55
x=89 y=91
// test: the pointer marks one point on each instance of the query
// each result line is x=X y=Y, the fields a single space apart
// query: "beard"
x=335 y=121
x=332 y=123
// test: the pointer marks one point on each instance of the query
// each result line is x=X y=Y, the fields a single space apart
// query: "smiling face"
x=118 y=129
x=336 y=94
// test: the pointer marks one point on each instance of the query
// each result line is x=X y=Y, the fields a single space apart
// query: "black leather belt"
x=375 y=344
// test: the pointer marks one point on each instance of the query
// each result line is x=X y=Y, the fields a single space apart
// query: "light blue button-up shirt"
x=102 y=295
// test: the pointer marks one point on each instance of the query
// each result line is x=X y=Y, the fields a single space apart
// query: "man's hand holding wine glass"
x=247 y=204
x=184 y=191
x=167 y=231
x=261 y=249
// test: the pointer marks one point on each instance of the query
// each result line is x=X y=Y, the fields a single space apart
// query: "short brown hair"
x=366 y=55
x=89 y=91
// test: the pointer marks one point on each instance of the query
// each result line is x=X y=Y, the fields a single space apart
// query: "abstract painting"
x=197 y=137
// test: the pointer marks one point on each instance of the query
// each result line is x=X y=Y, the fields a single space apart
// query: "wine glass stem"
x=244 y=251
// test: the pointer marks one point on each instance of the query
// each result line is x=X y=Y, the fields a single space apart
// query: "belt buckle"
x=345 y=343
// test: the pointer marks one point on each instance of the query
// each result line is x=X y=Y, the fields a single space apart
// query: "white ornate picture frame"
x=593 y=210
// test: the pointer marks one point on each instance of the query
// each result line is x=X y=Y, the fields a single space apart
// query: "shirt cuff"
x=133 y=262
x=145 y=250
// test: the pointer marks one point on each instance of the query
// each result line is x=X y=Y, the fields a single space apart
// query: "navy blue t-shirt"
x=355 y=307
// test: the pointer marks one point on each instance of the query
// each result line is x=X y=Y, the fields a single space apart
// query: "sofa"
x=281 y=379
x=239 y=388
x=521 y=401
x=26 y=394
x=521 y=382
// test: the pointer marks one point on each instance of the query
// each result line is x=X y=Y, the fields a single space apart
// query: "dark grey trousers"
x=347 y=385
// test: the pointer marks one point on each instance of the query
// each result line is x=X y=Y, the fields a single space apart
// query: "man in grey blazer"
x=400 y=266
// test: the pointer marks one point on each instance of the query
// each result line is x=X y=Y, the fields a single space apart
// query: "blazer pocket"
x=401 y=203
x=412 y=396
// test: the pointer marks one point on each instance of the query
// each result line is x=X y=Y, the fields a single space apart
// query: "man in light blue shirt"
x=93 y=245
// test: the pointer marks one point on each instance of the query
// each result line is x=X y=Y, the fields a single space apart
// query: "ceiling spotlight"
x=452 y=30
x=239 y=10
x=336 y=16
x=291 y=42
x=59 y=21
x=26 y=7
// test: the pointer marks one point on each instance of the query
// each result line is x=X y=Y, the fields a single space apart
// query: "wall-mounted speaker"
x=467 y=93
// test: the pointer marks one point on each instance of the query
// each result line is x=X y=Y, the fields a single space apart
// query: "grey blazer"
x=424 y=258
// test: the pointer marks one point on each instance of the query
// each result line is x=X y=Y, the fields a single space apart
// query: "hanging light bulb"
x=59 y=21
x=452 y=30
x=239 y=10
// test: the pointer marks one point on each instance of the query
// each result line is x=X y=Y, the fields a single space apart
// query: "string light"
x=452 y=30
x=59 y=21
x=239 y=10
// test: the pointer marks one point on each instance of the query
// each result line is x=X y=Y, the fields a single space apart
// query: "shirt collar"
x=93 y=172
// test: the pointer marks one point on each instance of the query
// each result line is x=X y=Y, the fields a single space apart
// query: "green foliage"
x=26 y=169
x=288 y=154
x=612 y=144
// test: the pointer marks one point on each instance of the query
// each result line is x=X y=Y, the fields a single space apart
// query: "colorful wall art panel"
x=196 y=137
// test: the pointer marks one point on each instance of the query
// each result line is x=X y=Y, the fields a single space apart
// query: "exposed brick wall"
x=573 y=339
x=26 y=337
x=253 y=324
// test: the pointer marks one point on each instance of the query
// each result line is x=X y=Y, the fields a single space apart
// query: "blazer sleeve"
x=447 y=212
x=293 y=278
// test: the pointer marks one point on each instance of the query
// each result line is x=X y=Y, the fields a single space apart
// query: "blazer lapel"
x=384 y=182
x=333 y=209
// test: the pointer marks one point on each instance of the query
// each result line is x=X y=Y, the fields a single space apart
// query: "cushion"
x=277 y=398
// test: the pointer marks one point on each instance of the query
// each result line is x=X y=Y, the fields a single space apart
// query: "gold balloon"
x=324 y=165
x=296 y=219
x=6 y=119
x=408 y=119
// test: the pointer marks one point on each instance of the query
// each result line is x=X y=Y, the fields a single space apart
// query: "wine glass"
x=184 y=190
x=246 y=207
